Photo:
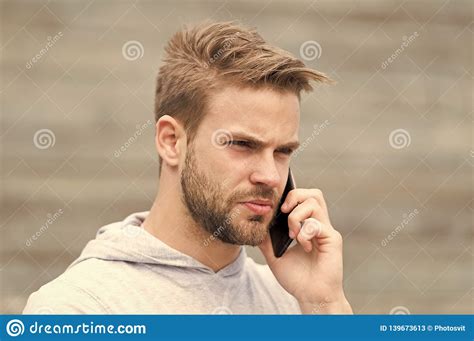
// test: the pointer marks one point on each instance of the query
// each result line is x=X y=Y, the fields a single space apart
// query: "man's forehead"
x=256 y=112
x=233 y=98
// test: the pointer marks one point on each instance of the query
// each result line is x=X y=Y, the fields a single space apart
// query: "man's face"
x=236 y=168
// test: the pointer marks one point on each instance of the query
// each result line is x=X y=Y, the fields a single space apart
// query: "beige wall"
x=92 y=99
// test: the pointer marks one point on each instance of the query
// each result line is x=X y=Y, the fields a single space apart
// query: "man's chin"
x=254 y=230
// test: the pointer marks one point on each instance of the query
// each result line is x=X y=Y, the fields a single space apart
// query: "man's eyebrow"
x=292 y=145
x=255 y=140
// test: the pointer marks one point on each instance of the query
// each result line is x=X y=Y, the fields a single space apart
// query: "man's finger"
x=310 y=229
x=298 y=196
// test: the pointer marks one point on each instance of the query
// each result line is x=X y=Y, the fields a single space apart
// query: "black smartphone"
x=279 y=228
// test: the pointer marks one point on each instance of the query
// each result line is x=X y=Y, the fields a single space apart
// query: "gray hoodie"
x=126 y=270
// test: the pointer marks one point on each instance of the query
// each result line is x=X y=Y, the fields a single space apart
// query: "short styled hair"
x=210 y=55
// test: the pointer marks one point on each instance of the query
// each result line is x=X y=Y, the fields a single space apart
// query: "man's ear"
x=170 y=139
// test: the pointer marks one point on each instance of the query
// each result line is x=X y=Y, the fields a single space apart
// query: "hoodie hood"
x=128 y=241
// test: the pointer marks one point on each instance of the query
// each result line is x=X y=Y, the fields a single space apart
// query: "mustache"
x=261 y=192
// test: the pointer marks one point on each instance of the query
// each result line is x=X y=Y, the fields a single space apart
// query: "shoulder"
x=76 y=291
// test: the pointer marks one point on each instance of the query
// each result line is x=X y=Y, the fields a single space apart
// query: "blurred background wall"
x=390 y=145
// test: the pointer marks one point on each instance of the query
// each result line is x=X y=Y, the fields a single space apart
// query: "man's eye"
x=240 y=143
x=286 y=151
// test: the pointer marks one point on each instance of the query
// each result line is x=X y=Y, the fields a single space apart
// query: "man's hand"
x=311 y=271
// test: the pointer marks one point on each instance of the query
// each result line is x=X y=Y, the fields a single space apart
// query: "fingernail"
x=292 y=235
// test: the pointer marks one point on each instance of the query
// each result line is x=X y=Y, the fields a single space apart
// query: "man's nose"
x=265 y=172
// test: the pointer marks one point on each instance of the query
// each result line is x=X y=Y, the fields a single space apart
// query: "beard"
x=217 y=213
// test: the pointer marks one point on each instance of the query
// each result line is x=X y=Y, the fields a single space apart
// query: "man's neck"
x=170 y=222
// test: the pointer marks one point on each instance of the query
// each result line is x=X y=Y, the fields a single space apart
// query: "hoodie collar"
x=129 y=241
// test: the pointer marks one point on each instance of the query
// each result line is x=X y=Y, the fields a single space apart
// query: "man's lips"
x=258 y=206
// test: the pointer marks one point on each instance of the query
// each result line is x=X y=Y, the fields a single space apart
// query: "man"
x=227 y=118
